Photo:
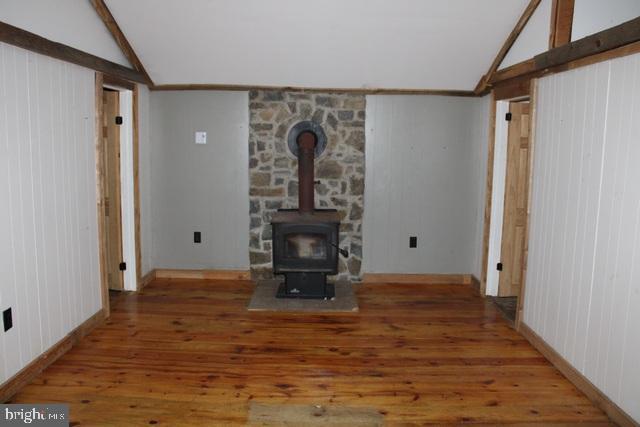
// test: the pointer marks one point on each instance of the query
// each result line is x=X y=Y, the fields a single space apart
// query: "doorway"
x=508 y=225
x=117 y=145
x=515 y=201
x=111 y=120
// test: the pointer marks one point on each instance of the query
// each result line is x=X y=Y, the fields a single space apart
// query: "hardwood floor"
x=188 y=353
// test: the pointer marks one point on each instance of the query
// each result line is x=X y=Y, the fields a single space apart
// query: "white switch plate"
x=201 y=137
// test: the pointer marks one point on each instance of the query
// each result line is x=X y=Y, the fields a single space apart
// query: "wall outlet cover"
x=7 y=319
x=201 y=137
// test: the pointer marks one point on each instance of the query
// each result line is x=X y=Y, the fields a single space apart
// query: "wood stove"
x=305 y=240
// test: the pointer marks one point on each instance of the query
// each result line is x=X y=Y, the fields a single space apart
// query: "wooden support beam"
x=117 y=82
x=35 y=43
x=561 y=23
x=612 y=38
x=110 y=22
x=522 y=22
x=513 y=71
x=367 y=91
x=622 y=40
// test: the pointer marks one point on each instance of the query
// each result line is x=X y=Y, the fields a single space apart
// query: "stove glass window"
x=305 y=245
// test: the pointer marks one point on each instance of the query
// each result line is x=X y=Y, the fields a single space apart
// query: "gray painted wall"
x=479 y=150
x=199 y=187
x=426 y=161
x=425 y=166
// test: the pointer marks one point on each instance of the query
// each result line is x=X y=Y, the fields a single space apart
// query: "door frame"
x=496 y=96
x=101 y=80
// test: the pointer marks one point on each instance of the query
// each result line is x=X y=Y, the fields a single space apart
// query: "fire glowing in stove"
x=311 y=246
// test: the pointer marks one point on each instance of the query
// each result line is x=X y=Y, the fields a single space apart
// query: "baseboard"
x=614 y=412
x=475 y=284
x=162 y=273
x=146 y=279
x=33 y=369
x=422 y=279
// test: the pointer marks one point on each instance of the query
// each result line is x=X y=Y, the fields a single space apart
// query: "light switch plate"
x=201 y=137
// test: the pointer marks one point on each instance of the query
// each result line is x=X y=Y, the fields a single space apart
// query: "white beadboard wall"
x=425 y=167
x=48 y=227
x=583 y=278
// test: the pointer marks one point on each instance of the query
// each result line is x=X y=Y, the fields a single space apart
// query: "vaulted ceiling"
x=399 y=44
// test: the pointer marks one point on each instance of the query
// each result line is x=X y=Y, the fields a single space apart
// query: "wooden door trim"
x=533 y=98
x=489 y=192
x=100 y=80
x=100 y=194
x=136 y=186
x=117 y=82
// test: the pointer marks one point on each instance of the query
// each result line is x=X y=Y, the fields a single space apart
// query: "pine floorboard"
x=187 y=352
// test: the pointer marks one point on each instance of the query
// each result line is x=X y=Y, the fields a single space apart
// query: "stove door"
x=305 y=247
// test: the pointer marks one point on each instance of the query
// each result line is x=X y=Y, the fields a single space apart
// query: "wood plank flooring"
x=188 y=353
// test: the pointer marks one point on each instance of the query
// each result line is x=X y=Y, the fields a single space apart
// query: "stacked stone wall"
x=273 y=170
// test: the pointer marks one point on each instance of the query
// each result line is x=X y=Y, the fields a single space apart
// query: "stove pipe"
x=306 y=148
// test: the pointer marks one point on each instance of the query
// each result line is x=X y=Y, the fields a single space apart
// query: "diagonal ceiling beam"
x=109 y=21
x=522 y=22
x=561 y=22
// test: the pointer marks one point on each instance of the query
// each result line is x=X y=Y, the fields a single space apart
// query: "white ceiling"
x=71 y=22
x=533 y=39
x=412 y=44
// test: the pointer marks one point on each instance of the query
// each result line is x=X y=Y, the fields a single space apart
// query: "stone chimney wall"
x=273 y=170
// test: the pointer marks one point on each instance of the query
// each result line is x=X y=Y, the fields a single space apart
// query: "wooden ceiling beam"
x=561 y=23
x=367 y=91
x=619 y=41
x=35 y=43
x=110 y=22
x=620 y=35
x=483 y=84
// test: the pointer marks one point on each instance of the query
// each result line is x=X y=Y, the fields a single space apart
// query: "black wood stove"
x=305 y=241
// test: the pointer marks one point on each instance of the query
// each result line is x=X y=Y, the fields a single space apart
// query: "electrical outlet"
x=7 y=319
x=413 y=241
x=197 y=237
